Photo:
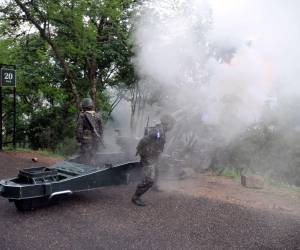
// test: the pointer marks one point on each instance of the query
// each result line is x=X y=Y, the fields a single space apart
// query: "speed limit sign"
x=8 y=77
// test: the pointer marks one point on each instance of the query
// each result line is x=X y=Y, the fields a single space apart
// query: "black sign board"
x=8 y=77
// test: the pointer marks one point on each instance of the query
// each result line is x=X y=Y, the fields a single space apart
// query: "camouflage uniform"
x=89 y=134
x=149 y=148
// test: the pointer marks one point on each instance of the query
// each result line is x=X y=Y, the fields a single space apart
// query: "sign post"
x=8 y=79
x=0 y=117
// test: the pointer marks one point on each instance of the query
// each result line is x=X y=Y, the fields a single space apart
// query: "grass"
x=66 y=148
x=236 y=175
x=41 y=152
x=291 y=188
x=231 y=173
x=282 y=185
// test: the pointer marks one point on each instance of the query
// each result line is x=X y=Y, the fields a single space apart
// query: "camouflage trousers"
x=150 y=175
x=87 y=153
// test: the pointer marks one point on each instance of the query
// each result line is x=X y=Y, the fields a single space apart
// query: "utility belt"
x=87 y=135
x=146 y=161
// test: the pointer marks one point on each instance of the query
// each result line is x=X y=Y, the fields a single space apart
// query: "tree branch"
x=55 y=49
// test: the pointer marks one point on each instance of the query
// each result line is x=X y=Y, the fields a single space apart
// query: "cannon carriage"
x=37 y=186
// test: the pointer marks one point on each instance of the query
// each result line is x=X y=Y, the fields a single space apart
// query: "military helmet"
x=167 y=121
x=87 y=103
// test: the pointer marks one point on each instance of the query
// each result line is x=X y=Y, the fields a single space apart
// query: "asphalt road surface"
x=106 y=219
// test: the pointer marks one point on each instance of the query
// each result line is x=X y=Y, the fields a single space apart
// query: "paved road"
x=106 y=219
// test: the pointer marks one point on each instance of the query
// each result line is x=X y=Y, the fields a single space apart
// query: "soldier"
x=149 y=148
x=89 y=132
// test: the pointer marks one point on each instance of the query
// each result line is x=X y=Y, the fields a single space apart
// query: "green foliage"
x=232 y=173
x=73 y=49
x=41 y=152
x=67 y=147
x=270 y=147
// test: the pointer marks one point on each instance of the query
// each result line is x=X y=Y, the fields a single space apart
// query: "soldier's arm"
x=79 y=128
x=100 y=126
x=162 y=148
x=162 y=145
x=143 y=142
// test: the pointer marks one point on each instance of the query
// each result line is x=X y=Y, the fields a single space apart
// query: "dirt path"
x=203 y=213
x=273 y=199
x=11 y=162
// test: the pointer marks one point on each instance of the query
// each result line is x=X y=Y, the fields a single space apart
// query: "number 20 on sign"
x=8 y=77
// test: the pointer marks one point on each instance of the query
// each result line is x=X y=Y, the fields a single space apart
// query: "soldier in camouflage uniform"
x=149 y=148
x=89 y=132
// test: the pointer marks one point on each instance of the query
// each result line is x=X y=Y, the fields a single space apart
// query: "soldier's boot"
x=140 y=190
x=138 y=201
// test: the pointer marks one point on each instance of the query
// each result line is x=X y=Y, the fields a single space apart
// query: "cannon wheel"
x=30 y=204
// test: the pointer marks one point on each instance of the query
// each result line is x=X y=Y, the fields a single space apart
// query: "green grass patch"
x=66 y=148
x=41 y=152
x=231 y=173
x=235 y=174
x=282 y=185
x=292 y=188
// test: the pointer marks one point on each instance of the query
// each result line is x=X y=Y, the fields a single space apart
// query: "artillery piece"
x=37 y=186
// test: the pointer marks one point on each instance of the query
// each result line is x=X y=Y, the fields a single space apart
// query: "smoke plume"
x=225 y=65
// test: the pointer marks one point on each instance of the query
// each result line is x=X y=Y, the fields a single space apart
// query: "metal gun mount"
x=38 y=186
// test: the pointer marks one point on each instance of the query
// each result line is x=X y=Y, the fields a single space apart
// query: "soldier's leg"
x=156 y=176
x=85 y=153
x=145 y=185
x=93 y=154
x=82 y=153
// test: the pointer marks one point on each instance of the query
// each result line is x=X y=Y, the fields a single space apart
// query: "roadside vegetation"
x=63 y=51
x=39 y=152
x=235 y=174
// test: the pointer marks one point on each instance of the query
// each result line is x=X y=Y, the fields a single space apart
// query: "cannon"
x=38 y=186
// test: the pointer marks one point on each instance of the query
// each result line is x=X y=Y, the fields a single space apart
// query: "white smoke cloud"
x=180 y=43
x=170 y=42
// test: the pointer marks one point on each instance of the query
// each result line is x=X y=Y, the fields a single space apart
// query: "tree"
x=89 y=40
x=64 y=50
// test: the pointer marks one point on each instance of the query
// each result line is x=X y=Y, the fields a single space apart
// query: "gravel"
x=106 y=219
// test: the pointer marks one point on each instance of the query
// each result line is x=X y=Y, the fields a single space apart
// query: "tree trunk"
x=60 y=58
x=92 y=75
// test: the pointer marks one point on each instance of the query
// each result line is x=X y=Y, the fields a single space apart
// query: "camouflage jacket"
x=152 y=144
x=89 y=128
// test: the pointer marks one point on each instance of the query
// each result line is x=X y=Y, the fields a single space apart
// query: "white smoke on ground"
x=224 y=61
